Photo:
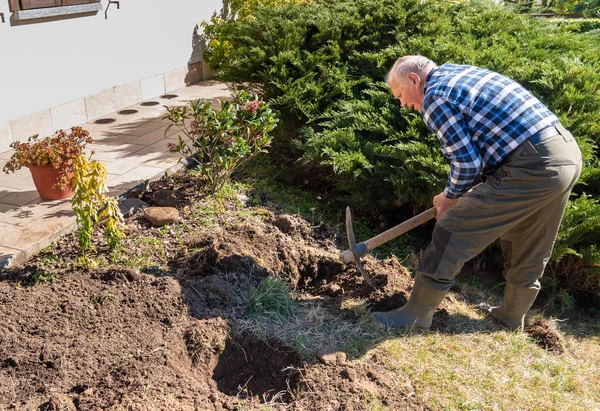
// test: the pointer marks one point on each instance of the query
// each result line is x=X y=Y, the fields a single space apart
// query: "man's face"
x=409 y=91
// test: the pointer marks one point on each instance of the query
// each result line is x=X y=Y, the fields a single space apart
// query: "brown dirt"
x=545 y=336
x=165 y=339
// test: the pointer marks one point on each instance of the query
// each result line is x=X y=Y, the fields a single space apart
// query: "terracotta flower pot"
x=45 y=178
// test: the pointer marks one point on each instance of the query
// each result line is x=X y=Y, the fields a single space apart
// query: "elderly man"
x=487 y=125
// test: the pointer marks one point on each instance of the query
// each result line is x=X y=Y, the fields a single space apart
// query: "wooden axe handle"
x=348 y=255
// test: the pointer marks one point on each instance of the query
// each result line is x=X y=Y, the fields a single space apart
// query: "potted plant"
x=50 y=160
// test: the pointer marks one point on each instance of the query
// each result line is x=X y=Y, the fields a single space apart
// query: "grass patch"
x=309 y=326
x=269 y=298
x=485 y=370
x=149 y=253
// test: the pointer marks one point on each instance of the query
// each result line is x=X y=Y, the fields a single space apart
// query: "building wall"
x=59 y=71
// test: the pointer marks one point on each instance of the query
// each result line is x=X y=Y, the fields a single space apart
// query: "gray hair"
x=410 y=64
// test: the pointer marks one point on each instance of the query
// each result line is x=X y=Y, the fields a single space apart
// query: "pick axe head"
x=352 y=243
x=358 y=250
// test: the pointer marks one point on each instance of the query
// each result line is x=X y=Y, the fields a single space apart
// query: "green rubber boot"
x=417 y=312
x=516 y=303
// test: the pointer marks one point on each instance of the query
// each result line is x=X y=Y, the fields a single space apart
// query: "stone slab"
x=153 y=87
x=175 y=79
x=68 y=115
x=6 y=136
x=128 y=94
x=100 y=104
x=152 y=137
x=37 y=123
x=21 y=198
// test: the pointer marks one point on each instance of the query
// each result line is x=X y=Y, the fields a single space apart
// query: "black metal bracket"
x=2 y=18
x=109 y=3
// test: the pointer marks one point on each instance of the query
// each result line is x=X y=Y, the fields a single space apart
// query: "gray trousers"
x=522 y=202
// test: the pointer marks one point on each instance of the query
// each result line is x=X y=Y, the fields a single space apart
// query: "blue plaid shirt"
x=479 y=117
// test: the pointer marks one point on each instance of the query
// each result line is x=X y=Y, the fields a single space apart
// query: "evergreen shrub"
x=322 y=65
x=589 y=25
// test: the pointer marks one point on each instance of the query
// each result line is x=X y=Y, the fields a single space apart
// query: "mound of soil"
x=545 y=336
x=119 y=338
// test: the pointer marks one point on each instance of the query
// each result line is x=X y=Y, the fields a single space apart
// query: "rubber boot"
x=516 y=303
x=417 y=312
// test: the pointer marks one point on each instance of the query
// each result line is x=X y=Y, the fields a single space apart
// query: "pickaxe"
x=356 y=251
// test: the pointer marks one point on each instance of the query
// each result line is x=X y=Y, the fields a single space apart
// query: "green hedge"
x=323 y=65
x=590 y=26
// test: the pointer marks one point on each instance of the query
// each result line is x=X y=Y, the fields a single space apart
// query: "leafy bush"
x=215 y=30
x=219 y=141
x=92 y=206
x=588 y=8
x=322 y=66
x=578 y=246
x=578 y=25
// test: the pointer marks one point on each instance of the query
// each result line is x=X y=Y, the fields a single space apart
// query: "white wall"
x=46 y=64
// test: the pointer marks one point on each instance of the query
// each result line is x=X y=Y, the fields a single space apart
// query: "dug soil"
x=168 y=337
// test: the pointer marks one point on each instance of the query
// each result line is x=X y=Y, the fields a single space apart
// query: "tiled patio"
x=133 y=148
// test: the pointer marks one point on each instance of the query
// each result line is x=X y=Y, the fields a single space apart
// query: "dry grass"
x=312 y=326
x=485 y=368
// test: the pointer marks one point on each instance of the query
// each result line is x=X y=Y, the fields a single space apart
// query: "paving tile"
x=114 y=140
x=115 y=167
x=175 y=79
x=136 y=175
x=165 y=162
x=128 y=94
x=159 y=147
x=158 y=164
x=112 y=152
x=164 y=122
x=6 y=136
x=5 y=191
x=5 y=208
x=142 y=116
x=157 y=155
x=153 y=136
x=207 y=89
x=153 y=86
x=7 y=251
x=21 y=198
x=21 y=216
x=5 y=156
x=6 y=229
x=99 y=133
x=68 y=115
x=20 y=180
x=38 y=233
x=100 y=104
x=111 y=127
x=176 y=102
x=37 y=123
x=144 y=128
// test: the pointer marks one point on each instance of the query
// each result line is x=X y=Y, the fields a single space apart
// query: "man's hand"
x=442 y=204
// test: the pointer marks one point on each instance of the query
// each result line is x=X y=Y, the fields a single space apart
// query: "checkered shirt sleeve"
x=457 y=146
